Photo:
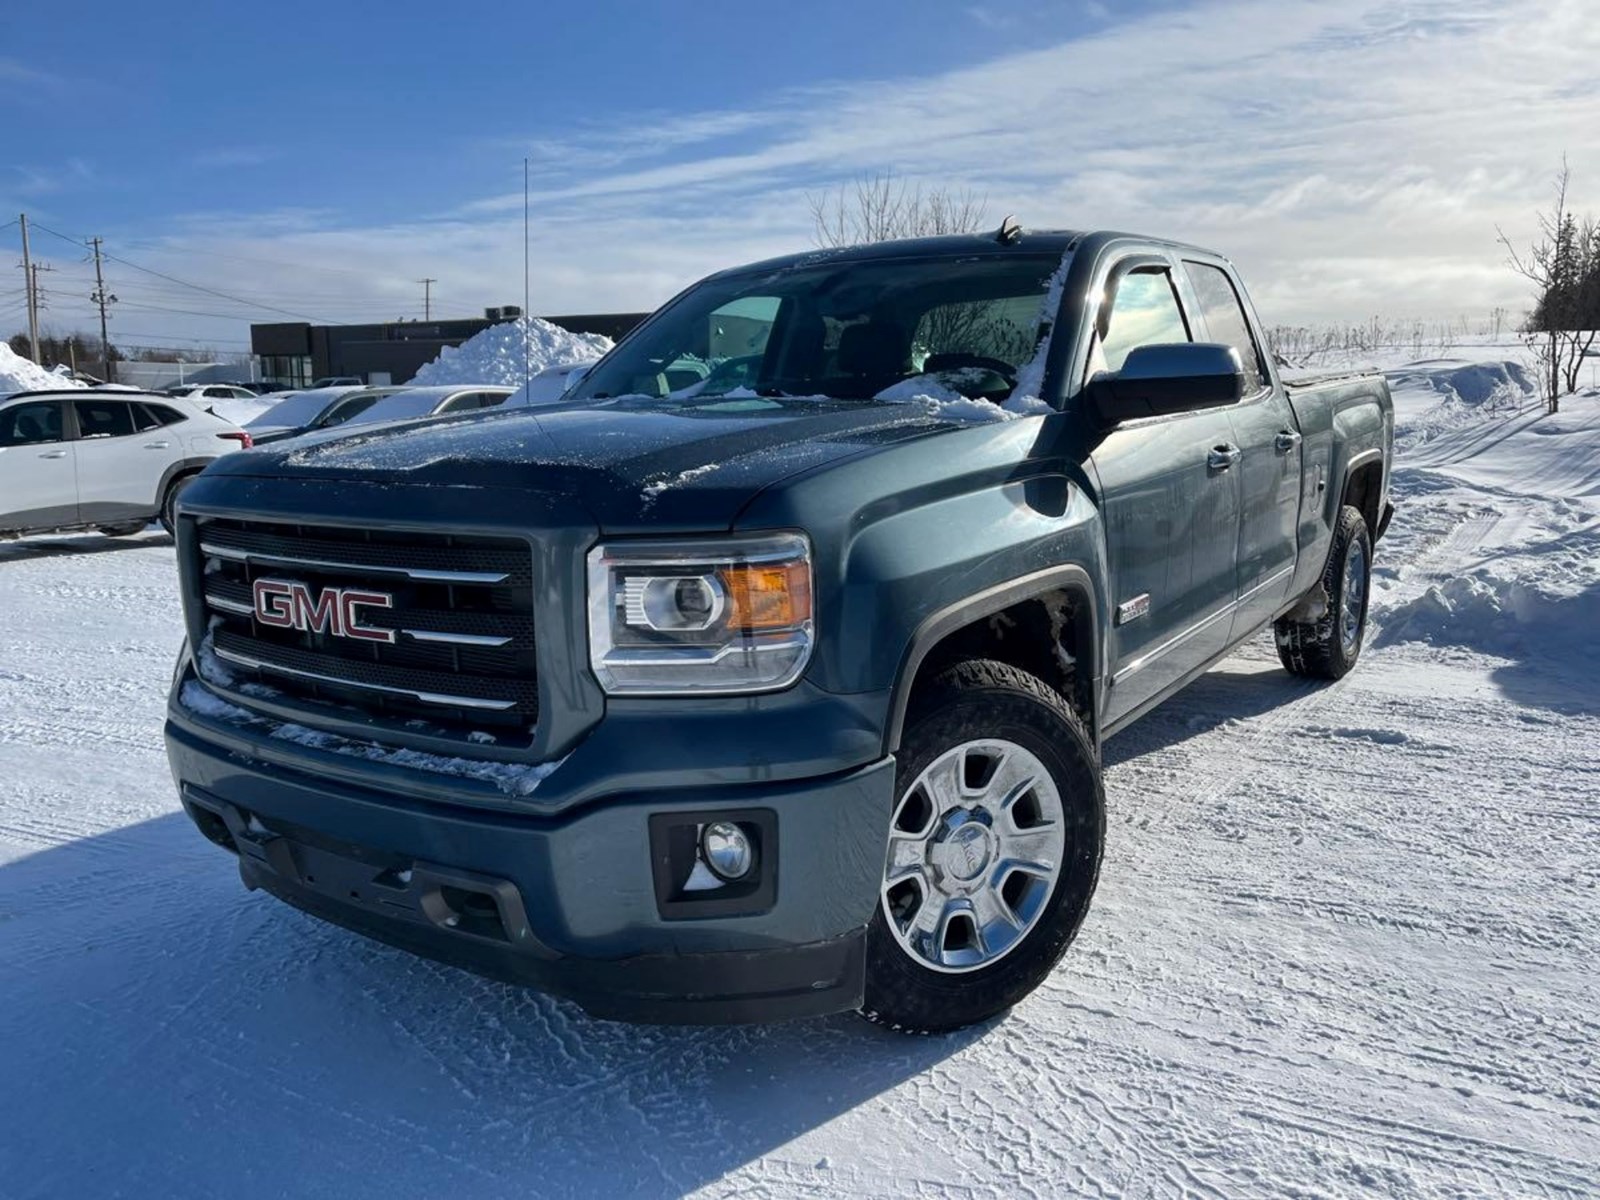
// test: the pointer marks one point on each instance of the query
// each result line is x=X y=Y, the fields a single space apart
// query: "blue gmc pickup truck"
x=766 y=675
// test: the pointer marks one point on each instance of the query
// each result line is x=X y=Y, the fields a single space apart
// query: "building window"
x=290 y=370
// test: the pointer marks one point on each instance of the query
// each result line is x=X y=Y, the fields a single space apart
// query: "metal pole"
x=103 y=300
x=427 y=301
x=33 y=301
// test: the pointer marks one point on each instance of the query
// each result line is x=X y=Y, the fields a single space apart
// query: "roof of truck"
x=956 y=245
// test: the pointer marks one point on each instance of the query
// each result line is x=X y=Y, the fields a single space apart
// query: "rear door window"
x=104 y=418
x=1225 y=319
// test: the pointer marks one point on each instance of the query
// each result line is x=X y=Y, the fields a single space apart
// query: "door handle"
x=157 y=445
x=1286 y=440
x=1224 y=456
x=54 y=454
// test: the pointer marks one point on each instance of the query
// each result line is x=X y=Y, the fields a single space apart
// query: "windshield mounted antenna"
x=1010 y=231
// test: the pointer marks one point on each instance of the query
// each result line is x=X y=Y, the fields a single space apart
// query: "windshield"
x=848 y=330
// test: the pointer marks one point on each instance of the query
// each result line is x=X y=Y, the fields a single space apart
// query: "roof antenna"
x=1010 y=231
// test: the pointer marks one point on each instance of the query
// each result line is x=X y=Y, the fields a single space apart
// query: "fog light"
x=727 y=850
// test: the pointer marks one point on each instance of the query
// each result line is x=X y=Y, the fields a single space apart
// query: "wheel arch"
x=1364 y=489
x=181 y=469
x=1050 y=603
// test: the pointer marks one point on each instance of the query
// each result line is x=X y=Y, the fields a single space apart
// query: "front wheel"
x=994 y=850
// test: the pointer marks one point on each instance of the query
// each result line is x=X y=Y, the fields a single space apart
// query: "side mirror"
x=1172 y=378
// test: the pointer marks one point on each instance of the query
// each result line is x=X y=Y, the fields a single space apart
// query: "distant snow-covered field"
x=1344 y=942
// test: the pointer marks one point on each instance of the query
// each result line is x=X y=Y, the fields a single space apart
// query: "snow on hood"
x=18 y=374
x=496 y=355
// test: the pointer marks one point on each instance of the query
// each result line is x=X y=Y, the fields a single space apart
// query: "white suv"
x=103 y=460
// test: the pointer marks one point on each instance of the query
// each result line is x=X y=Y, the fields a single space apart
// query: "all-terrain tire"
x=1322 y=649
x=169 y=502
x=979 y=700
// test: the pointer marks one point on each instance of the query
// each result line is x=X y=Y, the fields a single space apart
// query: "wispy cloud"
x=29 y=180
x=1352 y=158
x=14 y=71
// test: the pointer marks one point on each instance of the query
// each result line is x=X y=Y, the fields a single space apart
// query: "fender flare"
x=940 y=624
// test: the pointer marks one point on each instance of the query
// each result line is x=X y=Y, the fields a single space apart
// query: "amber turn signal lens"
x=768 y=596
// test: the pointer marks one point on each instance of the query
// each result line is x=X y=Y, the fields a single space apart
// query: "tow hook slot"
x=472 y=905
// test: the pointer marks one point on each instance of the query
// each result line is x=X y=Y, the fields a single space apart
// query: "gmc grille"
x=462 y=658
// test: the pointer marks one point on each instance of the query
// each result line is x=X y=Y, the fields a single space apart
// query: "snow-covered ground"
x=1344 y=943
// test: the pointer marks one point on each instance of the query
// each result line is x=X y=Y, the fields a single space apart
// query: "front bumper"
x=563 y=902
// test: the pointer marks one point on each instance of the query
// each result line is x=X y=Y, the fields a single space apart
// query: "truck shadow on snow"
x=219 y=1043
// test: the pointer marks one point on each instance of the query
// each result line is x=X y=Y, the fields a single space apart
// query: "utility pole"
x=427 y=298
x=33 y=302
x=104 y=300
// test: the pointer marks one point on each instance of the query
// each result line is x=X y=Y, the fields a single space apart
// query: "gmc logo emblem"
x=287 y=604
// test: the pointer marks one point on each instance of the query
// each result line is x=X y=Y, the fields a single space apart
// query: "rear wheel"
x=1329 y=646
x=994 y=850
x=169 y=503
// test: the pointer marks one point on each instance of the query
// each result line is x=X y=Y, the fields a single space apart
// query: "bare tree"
x=880 y=208
x=1564 y=267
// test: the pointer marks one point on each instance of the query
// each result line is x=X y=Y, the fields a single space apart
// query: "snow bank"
x=18 y=374
x=496 y=355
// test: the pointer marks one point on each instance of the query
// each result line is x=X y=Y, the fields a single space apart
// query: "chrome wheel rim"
x=1354 y=600
x=975 y=850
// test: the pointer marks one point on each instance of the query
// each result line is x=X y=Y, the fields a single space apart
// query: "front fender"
x=909 y=540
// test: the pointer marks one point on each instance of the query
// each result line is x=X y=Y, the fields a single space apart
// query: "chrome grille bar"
x=426 y=576
x=256 y=664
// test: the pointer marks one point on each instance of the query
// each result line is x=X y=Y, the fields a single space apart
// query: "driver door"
x=1170 y=501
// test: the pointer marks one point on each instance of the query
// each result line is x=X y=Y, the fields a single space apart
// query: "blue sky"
x=1354 y=158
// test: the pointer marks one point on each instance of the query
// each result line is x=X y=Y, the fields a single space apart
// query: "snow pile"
x=946 y=403
x=1533 y=481
x=1505 y=382
x=496 y=355
x=18 y=374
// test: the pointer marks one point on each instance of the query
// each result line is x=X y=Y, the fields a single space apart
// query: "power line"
x=199 y=287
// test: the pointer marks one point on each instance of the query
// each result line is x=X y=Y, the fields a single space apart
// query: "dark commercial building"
x=295 y=353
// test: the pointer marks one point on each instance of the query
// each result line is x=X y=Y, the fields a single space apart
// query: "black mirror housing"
x=1170 y=378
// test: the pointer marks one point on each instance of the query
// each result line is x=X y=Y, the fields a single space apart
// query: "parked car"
x=374 y=405
x=297 y=412
x=205 y=392
x=550 y=384
x=328 y=381
x=780 y=691
x=101 y=459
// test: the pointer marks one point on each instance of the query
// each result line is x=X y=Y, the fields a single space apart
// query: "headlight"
x=700 y=615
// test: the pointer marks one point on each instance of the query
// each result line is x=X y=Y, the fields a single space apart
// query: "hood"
x=632 y=463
